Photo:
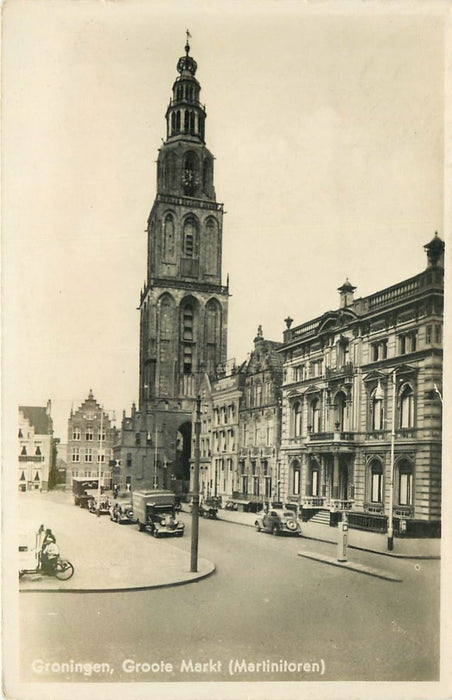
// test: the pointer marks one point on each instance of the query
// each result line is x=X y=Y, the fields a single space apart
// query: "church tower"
x=183 y=305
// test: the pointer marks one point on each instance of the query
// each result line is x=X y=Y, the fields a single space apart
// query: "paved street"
x=264 y=602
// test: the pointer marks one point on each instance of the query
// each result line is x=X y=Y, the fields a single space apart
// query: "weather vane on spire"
x=187 y=45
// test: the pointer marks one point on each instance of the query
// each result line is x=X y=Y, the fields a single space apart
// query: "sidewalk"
x=374 y=542
x=106 y=556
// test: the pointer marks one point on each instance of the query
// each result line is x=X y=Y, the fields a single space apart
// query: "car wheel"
x=275 y=530
x=155 y=532
x=291 y=525
x=257 y=526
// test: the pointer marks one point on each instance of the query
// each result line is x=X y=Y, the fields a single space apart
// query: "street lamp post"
x=195 y=503
x=391 y=473
x=154 y=482
x=99 y=457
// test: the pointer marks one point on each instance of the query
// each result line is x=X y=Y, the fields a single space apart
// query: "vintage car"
x=278 y=521
x=155 y=512
x=104 y=502
x=83 y=489
x=121 y=510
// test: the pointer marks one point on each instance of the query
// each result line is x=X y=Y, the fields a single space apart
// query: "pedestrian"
x=49 y=552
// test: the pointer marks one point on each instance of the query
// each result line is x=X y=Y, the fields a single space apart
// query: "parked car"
x=104 y=503
x=279 y=522
x=121 y=510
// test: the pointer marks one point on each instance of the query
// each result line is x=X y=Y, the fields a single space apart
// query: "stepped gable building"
x=90 y=441
x=362 y=406
x=257 y=479
x=37 y=452
x=240 y=429
x=183 y=305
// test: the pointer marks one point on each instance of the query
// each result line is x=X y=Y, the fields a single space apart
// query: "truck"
x=80 y=487
x=155 y=512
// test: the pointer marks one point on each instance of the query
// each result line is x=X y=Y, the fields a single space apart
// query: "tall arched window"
x=168 y=238
x=405 y=483
x=213 y=336
x=296 y=477
x=314 y=478
x=190 y=238
x=407 y=407
x=166 y=318
x=211 y=246
x=315 y=415
x=376 y=481
x=188 y=337
x=377 y=409
x=296 y=419
x=339 y=410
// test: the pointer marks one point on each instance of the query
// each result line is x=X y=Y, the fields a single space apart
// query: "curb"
x=427 y=557
x=181 y=582
x=359 y=568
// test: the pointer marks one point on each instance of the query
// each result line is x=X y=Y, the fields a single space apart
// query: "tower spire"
x=187 y=45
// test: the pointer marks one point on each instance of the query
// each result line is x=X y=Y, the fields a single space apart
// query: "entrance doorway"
x=343 y=481
x=183 y=452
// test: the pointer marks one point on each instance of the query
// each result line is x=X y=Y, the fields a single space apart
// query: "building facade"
x=258 y=479
x=240 y=429
x=36 y=447
x=219 y=437
x=183 y=305
x=90 y=441
x=362 y=405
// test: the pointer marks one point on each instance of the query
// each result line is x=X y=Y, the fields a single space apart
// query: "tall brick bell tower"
x=183 y=306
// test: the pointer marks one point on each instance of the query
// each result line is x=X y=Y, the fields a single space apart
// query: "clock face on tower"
x=189 y=179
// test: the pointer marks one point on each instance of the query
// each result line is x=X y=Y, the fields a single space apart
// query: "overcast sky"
x=326 y=122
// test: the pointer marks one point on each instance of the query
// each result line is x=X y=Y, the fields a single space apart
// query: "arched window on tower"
x=190 y=239
x=211 y=246
x=189 y=262
x=213 y=336
x=188 y=344
x=168 y=238
x=165 y=345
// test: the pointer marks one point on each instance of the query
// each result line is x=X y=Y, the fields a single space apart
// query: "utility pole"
x=195 y=504
x=391 y=473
